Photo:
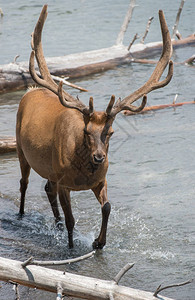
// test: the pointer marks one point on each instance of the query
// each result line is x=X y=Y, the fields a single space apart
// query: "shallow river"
x=152 y=167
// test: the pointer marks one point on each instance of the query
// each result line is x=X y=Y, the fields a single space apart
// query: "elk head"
x=98 y=125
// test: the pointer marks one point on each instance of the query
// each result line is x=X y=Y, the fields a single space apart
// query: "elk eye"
x=111 y=133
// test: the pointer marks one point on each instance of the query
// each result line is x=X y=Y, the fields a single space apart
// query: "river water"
x=152 y=166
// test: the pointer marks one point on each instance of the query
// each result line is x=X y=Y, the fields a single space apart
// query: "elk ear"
x=110 y=105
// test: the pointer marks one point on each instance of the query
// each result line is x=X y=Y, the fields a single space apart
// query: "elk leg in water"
x=25 y=171
x=101 y=194
x=51 y=191
x=64 y=196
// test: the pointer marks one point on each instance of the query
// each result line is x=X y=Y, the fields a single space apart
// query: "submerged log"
x=157 y=107
x=7 y=144
x=69 y=284
x=15 y=76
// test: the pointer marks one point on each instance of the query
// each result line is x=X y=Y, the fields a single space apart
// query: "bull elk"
x=65 y=141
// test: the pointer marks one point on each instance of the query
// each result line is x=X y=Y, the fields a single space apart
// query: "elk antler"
x=46 y=81
x=153 y=82
x=77 y=104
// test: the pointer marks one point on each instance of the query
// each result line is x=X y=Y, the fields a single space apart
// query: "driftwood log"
x=15 y=76
x=158 y=107
x=68 y=284
x=7 y=144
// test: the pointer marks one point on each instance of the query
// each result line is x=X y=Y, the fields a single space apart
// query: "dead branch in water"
x=16 y=289
x=125 y=22
x=31 y=261
x=175 y=30
x=7 y=144
x=132 y=42
x=161 y=106
x=147 y=29
x=157 y=107
x=159 y=289
x=59 y=79
x=59 y=292
x=122 y=272
x=68 y=284
x=188 y=61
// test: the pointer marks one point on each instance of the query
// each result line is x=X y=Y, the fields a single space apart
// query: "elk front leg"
x=101 y=194
x=51 y=191
x=64 y=196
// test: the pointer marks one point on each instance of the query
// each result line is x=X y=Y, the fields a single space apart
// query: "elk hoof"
x=20 y=216
x=60 y=225
x=97 y=245
x=71 y=245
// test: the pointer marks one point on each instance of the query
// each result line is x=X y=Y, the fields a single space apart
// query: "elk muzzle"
x=98 y=157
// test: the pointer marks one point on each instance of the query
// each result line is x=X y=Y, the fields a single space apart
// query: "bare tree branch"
x=59 y=292
x=122 y=272
x=178 y=35
x=56 y=78
x=125 y=24
x=147 y=29
x=177 y=19
x=30 y=261
x=17 y=292
x=190 y=60
x=158 y=107
x=15 y=58
x=133 y=40
x=27 y=262
x=159 y=289
x=175 y=98
x=16 y=289
x=111 y=296
x=143 y=61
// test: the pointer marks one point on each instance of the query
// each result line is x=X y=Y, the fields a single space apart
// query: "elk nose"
x=98 y=159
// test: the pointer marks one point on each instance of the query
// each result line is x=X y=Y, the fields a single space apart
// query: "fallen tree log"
x=7 y=144
x=68 y=284
x=15 y=76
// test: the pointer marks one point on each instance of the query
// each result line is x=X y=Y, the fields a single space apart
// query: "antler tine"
x=33 y=73
x=36 y=45
x=153 y=82
x=76 y=104
x=110 y=105
x=37 y=50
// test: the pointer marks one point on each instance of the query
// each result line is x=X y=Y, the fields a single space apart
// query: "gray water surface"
x=152 y=169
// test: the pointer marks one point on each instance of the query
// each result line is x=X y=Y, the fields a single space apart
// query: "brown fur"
x=60 y=143
x=67 y=142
